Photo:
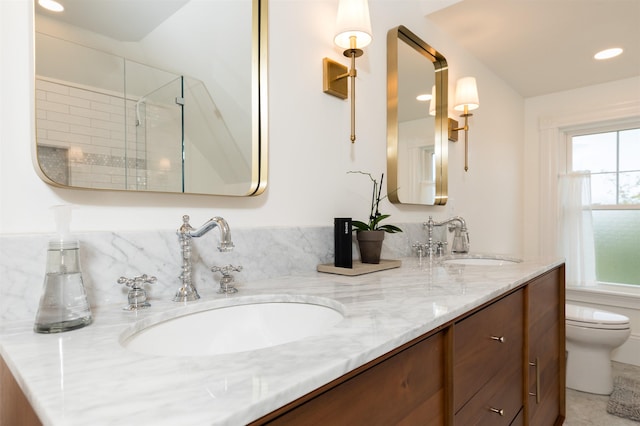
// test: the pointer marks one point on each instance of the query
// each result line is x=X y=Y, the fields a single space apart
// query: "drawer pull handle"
x=497 y=410
x=498 y=339
x=537 y=393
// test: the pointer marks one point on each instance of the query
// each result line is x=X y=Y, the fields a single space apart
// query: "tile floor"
x=584 y=409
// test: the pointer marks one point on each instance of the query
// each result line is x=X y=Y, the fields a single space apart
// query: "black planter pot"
x=370 y=245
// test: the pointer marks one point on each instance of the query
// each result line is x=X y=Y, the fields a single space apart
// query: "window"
x=614 y=161
x=613 y=158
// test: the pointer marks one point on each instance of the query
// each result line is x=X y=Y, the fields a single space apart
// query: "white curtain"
x=576 y=229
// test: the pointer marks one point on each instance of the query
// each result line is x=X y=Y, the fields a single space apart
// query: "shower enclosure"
x=104 y=121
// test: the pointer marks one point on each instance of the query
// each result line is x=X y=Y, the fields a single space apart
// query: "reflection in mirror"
x=416 y=120
x=170 y=100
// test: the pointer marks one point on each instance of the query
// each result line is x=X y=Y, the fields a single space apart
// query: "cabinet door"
x=487 y=363
x=546 y=378
x=405 y=389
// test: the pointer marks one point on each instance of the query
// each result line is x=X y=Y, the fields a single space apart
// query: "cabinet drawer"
x=497 y=403
x=406 y=389
x=519 y=420
x=486 y=343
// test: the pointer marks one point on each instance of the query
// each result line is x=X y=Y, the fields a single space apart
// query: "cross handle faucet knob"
x=137 y=295
x=226 y=270
x=136 y=283
x=226 y=281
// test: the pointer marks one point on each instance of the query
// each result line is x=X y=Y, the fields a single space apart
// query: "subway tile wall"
x=105 y=148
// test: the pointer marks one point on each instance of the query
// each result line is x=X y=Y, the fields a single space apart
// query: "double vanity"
x=436 y=341
x=432 y=342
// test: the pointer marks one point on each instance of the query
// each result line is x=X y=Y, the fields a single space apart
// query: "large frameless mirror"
x=416 y=120
x=166 y=96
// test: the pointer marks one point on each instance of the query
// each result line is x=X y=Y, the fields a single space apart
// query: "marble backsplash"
x=105 y=256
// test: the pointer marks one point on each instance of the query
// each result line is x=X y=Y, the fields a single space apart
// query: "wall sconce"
x=353 y=32
x=75 y=155
x=466 y=100
x=164 y=165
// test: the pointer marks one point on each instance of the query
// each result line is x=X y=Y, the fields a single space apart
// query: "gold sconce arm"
x=353 y=73
x=353 y=32
x=334 y=81
x=453 y=134
x=466 y=100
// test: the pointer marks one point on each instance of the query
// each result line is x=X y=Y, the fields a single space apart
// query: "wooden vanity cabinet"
x=473 y=370
x=546 y=361
x=14 y=406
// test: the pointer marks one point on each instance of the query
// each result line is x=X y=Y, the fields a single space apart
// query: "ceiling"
x=536 y=46
x=546 y=46
x=120 y=20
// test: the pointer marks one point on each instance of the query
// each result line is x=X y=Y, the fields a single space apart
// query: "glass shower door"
x=155 y=159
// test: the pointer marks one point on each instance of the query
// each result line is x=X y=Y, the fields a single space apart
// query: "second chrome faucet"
x=187 y=291
x=460 y=237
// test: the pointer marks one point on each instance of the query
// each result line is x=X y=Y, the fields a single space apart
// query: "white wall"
x=309 y=148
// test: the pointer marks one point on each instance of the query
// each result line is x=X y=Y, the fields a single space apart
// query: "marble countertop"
x=86 y=377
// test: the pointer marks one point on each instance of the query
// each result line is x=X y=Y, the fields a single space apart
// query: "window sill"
x=625 y=296
x=615 y=207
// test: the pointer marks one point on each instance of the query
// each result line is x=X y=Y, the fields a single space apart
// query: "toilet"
x=591 y=336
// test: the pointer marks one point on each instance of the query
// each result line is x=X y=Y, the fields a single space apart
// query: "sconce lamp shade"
x=51 y=5
x=353 y=20
x=466 y=94
x=432 y=102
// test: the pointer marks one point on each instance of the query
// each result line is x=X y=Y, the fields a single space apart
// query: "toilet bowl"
x=591 y=336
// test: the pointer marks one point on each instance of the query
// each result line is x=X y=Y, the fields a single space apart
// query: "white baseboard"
x=629 y=353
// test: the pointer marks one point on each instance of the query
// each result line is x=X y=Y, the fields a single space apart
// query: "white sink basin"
x=481 y=260
x=232 y=329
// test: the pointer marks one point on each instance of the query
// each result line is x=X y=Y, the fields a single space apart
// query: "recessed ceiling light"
x=51 y=5
x=423 y=98
x=608 y=53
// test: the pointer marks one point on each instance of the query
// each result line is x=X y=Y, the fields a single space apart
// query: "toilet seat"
x=591 y=335
x=583 y=316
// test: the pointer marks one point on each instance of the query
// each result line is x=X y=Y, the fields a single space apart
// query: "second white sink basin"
x=482 y=260
x=232 y=329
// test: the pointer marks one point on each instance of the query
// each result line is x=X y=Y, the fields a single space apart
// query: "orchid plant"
x=375 y=217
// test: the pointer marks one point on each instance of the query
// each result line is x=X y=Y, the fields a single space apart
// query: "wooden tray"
x=360 y=268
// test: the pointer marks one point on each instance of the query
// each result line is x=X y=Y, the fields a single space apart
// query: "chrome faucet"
x=460 y=237
x=187 y=291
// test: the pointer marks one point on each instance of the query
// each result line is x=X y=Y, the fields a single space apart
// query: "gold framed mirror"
x=417 y=81
x=165 y=99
